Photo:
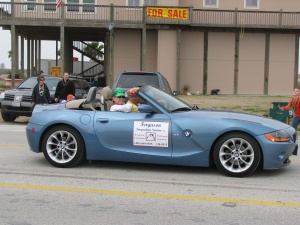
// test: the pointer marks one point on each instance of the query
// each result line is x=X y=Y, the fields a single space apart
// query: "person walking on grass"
x=294 y=104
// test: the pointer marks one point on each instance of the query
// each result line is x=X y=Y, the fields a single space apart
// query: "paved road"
x=34 y=192
x=19 y=120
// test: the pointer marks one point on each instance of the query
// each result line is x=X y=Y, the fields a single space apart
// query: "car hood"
x=22 y=92
x=19 y=92
x=234 y=117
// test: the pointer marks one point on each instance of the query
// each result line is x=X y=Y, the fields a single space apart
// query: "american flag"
x=58 y=3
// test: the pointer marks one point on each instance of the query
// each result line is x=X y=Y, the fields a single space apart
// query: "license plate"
x=16 y=104
x=17 y=101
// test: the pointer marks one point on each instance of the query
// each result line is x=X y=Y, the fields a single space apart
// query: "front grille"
x=26 y=98
x=10 y=97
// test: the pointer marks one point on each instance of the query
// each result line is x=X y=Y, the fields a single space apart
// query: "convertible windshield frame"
x=166 y=101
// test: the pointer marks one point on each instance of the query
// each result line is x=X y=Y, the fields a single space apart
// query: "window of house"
x=252 y=4
x=83 y=6
x=50 y=5
x=140 y=2
x=29 y=6
x=88 y=6
x=211 y=3
x=73 y=6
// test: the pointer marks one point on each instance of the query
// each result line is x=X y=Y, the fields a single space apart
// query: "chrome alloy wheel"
x=236 y=155
x=61 y=146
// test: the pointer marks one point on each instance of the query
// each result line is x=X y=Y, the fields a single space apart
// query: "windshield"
x=166 y=101
x=28 y=84
x=137 y=80
x=31 y=82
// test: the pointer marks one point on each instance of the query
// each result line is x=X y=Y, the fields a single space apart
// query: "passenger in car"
x=40 y=93
x=134 y=99
x=118 y=97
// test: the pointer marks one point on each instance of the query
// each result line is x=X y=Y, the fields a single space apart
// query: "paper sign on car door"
x=151 y=134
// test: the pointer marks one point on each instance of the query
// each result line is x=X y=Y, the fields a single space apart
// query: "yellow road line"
x=11 y=145
x=152 y=195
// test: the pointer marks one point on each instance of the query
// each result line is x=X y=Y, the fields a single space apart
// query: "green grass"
x=259 y=105
x=2 y=85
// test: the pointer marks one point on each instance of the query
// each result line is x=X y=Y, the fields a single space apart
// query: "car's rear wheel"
x=63 y=147
x=7 y=117
x=237 y=154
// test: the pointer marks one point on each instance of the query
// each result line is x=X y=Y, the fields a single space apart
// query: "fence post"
x=280 y=18
x=236 y=16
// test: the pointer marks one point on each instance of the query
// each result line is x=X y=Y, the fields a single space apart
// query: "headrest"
x=106 y=93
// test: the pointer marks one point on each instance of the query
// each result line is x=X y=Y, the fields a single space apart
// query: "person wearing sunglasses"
x=40 y=93
x=118 y=97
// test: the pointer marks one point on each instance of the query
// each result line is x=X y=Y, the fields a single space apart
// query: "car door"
x=141 y=133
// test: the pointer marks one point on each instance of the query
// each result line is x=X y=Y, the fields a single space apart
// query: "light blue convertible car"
x=165 y=131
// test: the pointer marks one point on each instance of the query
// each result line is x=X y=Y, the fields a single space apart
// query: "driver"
x=118 y=97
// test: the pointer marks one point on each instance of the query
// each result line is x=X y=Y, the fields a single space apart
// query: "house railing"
x=135 y=17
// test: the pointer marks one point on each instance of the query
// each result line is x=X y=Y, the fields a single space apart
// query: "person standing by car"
x=118 y=97
x=294 y=104
x=134 y=99
x=40 y=93
x=64 y=88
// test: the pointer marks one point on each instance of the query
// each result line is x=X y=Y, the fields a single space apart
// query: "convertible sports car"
x=165 y=131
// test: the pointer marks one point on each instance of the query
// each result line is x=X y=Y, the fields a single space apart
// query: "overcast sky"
x=47 y=48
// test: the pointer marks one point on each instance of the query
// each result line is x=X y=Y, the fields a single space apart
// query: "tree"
x=2 y=68
x=94 y=49
x=9 y=54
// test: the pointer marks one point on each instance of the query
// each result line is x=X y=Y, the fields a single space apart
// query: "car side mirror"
x=143 y=108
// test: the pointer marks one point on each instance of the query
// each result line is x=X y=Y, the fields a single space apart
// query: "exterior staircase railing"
x=80 y=46
x=89 y=73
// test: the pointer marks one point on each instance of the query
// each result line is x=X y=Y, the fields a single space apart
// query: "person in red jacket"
x=293 y=104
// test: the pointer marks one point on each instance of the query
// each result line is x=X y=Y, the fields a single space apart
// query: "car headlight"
x=278 y=136
x=2 y=94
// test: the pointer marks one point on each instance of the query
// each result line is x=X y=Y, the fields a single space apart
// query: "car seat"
x=106 y=96
x=91 y=102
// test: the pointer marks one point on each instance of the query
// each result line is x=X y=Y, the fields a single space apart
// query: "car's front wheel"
x=63 y=147
x=7 y=117
x=237 y=154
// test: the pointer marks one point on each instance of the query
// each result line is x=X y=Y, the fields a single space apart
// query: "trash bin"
x=276 y=113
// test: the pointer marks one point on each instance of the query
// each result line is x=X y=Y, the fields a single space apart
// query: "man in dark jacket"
x=64 y=88
x=40 y=93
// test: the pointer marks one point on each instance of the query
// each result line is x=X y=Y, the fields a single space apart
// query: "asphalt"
x=19 y=120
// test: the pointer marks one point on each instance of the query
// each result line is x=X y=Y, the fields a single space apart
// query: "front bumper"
x=276 y=154
x=25 y=108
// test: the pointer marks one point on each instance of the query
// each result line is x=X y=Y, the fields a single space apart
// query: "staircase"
x=92 y=53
